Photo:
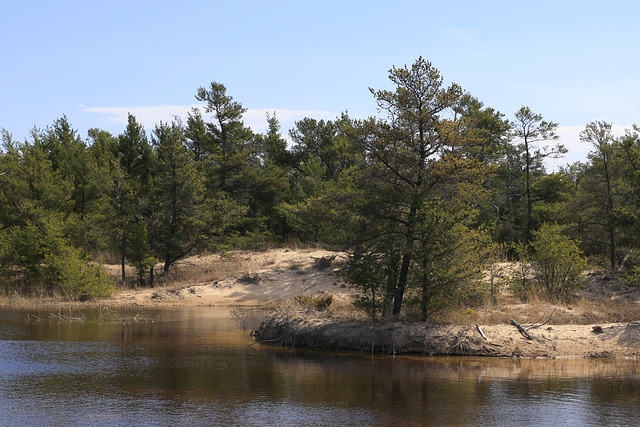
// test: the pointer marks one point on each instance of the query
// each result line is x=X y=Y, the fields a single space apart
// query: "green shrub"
x=319 y=303
x=521 y=276
x=139 y=252
x=367 y=274
x=558 y=262
x=36 y=258
x=632 y=278
x=77 y=278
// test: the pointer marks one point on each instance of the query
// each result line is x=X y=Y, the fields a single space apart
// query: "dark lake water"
x=196 y=366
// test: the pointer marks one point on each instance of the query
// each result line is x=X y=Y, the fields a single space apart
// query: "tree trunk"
x=152 y=244
x=612 y=248
x=123 y=254
x=528 y=190
x=373 y=303
x=406 y=262
x=612 y=234
x=425 y=286
x=402 y=284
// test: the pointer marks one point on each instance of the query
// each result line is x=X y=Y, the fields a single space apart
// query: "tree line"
x=423 y=199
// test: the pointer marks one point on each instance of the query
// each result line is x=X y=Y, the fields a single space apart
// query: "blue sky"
x=571 y=61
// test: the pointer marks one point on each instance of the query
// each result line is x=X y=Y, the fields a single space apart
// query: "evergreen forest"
x=424 y=198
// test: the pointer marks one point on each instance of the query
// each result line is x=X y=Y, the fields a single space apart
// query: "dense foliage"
x=423 y=197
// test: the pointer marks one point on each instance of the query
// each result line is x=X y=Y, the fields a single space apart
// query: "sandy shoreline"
x=274 y=276
x=616 y=341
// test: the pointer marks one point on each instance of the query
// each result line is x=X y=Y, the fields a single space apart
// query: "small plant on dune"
x=521 y=274
x=632 y=278
x=295 y=266
x=249 y=279
x=318 y=303
x=323 y=262
x=366 y=272
x=552 y=266
x=558 y=262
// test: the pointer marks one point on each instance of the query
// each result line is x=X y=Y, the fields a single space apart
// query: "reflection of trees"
x=408 y=386
x=614 y=401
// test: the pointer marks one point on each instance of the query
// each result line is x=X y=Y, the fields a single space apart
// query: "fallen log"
x=522 y=330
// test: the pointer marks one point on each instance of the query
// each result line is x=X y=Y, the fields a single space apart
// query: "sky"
x=573 y=62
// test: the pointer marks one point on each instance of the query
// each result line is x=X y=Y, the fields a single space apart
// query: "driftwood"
x=533 y=326
x=522 y=330
x=480 y=330
x=65 y=318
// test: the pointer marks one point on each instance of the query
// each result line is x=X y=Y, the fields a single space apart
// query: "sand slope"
x=267 y=276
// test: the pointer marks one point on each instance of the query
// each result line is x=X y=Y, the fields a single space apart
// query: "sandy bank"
x=261 y=277
x=620 y=340
x=252 y=279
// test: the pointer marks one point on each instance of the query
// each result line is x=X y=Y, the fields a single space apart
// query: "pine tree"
x=414 y=172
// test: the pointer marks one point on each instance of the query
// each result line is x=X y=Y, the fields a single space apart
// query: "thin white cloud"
x=254 y=118
x=577 y=151
x=147 y=116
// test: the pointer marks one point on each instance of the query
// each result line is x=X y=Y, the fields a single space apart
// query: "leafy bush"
x=324 y=262
x=37 y=258
x=79 y=279
x=319 y=303
x=558 y=262
x=632 y=278
x=521 y=276
x=367 y=274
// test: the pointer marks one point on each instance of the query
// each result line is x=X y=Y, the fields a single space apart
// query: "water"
x=197 y=367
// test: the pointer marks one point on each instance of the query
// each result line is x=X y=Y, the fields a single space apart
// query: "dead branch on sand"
x=522 y=330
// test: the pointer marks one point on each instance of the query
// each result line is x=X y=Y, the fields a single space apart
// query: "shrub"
x=521 y=275
x=632 y=278
x=37 y=258
x=367 y=273
x=77 y=278
x=558 y=262
x=319 y=303
x=323 y=263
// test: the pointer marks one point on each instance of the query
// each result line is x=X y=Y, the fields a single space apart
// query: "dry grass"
x=295 y=265
x=37 y=302
x=500 y=309
x=198 y=269
x=583 y=311
x=609 y=311
x=201 y=269
x=206 y=269
x=339 y=309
